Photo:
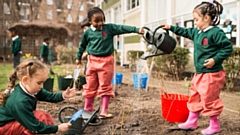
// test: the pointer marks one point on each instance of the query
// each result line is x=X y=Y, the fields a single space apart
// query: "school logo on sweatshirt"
x=205 y=42
x=104 y=33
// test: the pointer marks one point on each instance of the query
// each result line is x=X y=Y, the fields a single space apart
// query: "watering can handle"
x=167 y=31
x=144 y=36
x=157 y=30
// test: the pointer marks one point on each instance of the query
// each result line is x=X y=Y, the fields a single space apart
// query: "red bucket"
x=174 y=107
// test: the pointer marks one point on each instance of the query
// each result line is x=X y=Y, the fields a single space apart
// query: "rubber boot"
x=214 y=126
x=191 y=122
x=105 y=101
x=89 y=104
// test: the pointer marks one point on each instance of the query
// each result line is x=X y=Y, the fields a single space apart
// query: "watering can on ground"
x=162 y=42
x=79 y=120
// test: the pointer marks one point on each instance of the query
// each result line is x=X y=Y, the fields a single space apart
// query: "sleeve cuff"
x=137 y=30
x=216 y=59
x=171 y=28
x=63 y=95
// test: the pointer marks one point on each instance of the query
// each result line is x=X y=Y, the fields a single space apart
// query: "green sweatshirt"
x=44 y=50
x=20 y=106
x=100 y=42
x=211 y=43
x=16 y=46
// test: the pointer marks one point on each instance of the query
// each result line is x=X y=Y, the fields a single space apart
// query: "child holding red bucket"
x=211 y=48
x=98 y=40
x=18 y=114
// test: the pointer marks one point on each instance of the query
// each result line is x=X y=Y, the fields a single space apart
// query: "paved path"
x=230 y=100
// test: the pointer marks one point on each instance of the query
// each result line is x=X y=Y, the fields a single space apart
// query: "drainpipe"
x=238 y=24
x=182 y=38
x=143 y=21
x=122 y=37
x=169 y=13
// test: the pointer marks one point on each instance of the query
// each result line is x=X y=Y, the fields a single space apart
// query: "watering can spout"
x=145 y=57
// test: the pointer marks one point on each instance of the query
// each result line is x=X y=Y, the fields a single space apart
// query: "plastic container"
x=64 y=83
x=174 y=107
x=118 y=78
x=48 y=84
x=140 y=80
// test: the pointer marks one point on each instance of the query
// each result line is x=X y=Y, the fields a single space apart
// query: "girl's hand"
x=69 y=93
x=64 y=127
x=165 y=26
x=141 y=31
x=209 y=63
x=78 y=62
x=84 y=56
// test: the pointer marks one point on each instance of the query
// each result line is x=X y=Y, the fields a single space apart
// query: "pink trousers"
x=205 y=91
x=99 y=76
x=15 y=128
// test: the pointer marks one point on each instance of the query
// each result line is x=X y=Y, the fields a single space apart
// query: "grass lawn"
x=6 y=69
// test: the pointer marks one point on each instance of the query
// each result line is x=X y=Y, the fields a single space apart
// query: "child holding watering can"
x=18 y=114
x=211 y=48
x=98 y=40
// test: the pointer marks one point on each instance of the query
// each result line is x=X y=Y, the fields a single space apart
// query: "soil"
x=145 y=117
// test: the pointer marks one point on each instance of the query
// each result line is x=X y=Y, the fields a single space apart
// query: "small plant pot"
x=48 y=84
x=64 y=83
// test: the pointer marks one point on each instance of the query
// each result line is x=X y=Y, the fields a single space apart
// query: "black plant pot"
x=64 y=83
x=48 y=84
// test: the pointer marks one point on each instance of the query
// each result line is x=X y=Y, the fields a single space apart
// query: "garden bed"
x=144 y=118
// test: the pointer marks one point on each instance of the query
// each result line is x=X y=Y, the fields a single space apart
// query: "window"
x=6 y=9
x=24 y=12
x=69 y=4
x=81 y=6
x=80 y=18
x=131 y=4
x=49 y=2
x=69 y=18
x=49 y=15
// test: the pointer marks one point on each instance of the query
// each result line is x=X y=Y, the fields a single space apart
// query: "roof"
x=38 y=28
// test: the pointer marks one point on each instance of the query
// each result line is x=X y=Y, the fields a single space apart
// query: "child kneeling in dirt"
x=18 y=114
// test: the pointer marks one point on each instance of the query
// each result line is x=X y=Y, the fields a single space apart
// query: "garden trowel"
x=76 y=74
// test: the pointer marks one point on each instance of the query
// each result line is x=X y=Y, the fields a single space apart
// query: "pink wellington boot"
x=191 y=122
x=104 y=111
x=89 y=104
x=214 y=126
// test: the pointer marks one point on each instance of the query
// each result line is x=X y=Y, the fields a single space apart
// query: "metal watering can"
x=161 y=41
x=79 y=120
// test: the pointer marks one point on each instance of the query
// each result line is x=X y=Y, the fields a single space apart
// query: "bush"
x=232 y=67
x=66 y=54
x=133 y=56
x=173 y=64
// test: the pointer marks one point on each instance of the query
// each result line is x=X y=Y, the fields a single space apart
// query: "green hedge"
x=232 y=67
x=66 y=54
x=173 y=64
